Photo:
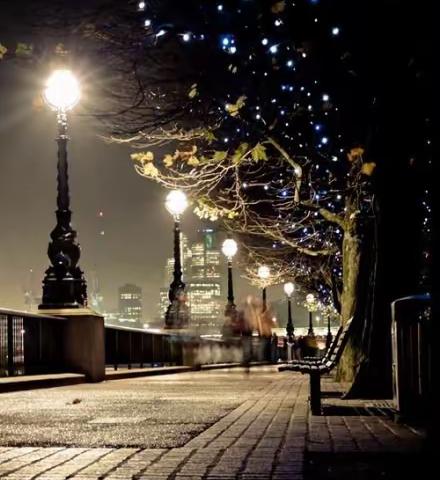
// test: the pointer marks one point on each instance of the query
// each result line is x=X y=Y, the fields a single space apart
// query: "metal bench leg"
x=315 y=393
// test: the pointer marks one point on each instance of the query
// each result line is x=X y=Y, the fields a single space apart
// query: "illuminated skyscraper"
x=202 y=274
x=130 y=305
x=204 y=286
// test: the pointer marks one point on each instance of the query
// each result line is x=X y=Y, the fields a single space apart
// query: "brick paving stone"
x=106 y=464
x=53 y=458
x=48 y=461
x=74 y=465
x=17 y=463
x=10 y=453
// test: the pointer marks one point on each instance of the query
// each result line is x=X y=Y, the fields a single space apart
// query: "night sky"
x=137 y=227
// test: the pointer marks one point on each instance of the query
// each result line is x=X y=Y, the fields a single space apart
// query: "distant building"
x=206 y=305
x=163 y=302
x=96 y=299
x=130 y=305
x=201 y=265
x=204 y=286
x=111 y=318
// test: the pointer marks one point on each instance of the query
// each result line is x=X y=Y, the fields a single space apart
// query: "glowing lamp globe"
x=289 y=287
x=264 y=272
x=62 y=90
x=176 y=202
x=310 y=298
x=229 y=247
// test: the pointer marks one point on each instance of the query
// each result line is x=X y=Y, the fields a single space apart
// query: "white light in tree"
x=325 y=98
x=265 y=41
x=229 y=248
x=176 y=202
x=263 y=272
x=141 y=6
x=310 y=299
x=273 y=49
x=335 y=31
x=186 y=37
x=289 y=288
x=62 y=90
x=147 y=23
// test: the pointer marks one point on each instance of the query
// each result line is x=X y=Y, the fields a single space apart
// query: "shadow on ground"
x=363 y=466
x=358 y=411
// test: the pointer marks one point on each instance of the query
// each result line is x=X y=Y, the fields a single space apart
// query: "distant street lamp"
x=289 y=288
x=264 y=274
x=177 y=315
x=329 y=338
x=229 y=249
x=64 y=285
x=310 y=300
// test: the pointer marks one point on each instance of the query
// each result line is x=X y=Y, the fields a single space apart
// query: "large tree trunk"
x=351 y=261
x=365 y=364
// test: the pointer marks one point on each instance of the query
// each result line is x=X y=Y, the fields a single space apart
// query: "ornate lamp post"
x=177 y=315
x=289 y=288
x=229 y=249
x=310 y=301
x=264 y=274
x=64 y=285
x=329 y=337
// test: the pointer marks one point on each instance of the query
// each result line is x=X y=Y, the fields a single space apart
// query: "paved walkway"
x=269 y=435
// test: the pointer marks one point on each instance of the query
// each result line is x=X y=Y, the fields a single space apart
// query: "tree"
x=267 y=159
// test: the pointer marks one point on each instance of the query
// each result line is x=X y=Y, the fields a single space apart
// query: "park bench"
x=314 y=360
x=320 y=367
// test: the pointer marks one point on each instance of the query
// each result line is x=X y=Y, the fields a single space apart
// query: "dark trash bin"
x=412 y=355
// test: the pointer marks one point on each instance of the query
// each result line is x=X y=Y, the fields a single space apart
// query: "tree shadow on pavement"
x=363 y=466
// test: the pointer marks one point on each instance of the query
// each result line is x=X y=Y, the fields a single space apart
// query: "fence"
x=30 y=343
x=34 y=343
x=135 y=347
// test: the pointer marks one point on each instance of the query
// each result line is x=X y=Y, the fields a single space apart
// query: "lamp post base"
x=66 y=292
x=177 y=315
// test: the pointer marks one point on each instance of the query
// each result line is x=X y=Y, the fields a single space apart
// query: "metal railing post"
x=129 y=350
x=141 y=365
x=10 y=333
x=115 y=366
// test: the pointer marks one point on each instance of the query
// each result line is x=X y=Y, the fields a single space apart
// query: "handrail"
x=25 y=314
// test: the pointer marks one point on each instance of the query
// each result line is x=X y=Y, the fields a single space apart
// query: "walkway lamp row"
x=64 y=285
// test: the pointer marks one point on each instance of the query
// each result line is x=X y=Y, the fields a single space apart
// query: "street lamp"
x=329 y=337
x=229 y=249
x=177 y=315
x=289 y=288
x=310 y=300
x=264 y=274
x=64 y=285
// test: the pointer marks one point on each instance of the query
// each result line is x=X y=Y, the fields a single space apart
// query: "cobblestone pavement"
x=270 y=435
